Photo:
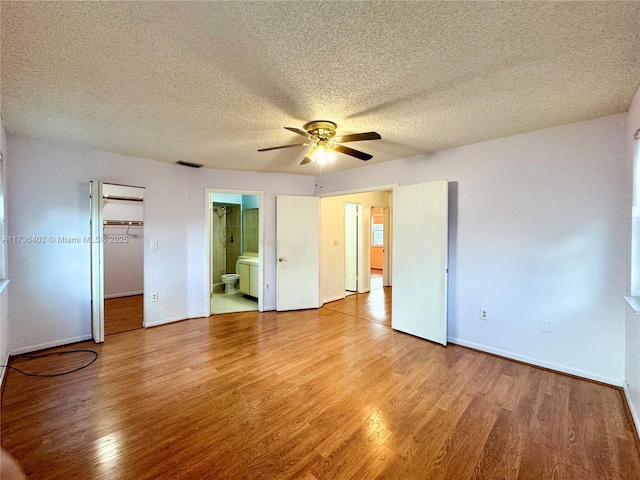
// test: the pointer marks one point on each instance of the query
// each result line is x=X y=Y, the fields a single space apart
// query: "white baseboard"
x=125 y=294
x=198 y=315
x=269 y=309
x=537 y=362
x=4 y=370
x=56 y=343
x=164 y=321
x=333 y=299
x=632 y=409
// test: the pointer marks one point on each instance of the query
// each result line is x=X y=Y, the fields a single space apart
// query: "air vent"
x=189 y=164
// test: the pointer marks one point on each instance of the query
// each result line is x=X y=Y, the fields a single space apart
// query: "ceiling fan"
x=321 y=136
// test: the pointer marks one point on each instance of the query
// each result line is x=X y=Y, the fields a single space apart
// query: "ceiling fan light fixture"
x=324 y=143
x=323 y=153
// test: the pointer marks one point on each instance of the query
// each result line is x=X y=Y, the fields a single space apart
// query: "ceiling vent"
x=189 y=164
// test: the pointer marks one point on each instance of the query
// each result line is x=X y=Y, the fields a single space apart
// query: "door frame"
x=97 y=261
x=357 y=243
x=386 y=247
x=208 y=281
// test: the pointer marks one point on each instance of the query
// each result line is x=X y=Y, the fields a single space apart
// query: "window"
x=377 y=230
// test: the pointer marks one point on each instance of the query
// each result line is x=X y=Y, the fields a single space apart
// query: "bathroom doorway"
x=234 y=241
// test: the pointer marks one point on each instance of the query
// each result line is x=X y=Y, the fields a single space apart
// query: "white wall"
x=632 y=324
x=537 y=232
x=123 y=261
x=49 y=196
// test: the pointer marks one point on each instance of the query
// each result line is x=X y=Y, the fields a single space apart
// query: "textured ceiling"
x=211 y=82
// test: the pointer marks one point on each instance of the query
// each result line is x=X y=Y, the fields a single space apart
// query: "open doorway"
x=340 y=216
x=419 y=259
x=234 y=246
x=348 y=254
x=377 y=248
x=117 y=258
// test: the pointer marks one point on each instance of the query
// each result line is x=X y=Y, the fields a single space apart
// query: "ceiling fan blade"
x=299 y=132
x=353 y=153
x=356 y=137
x=305 y=160
x=281 y=146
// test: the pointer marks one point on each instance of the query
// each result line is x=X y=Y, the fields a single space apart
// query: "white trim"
x=634 y=413
x=126 y=294
x=4 y=371
x=97 y=262
x=56 y=343
x=537 y=362
x=333 y=299
x=164 y=321
x=634 y=303
x=198 y=315
x=3 y=284
x=358 y=190
x=269 y=309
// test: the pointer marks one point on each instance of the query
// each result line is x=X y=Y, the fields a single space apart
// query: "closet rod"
x=118 y=197
x=123 y=222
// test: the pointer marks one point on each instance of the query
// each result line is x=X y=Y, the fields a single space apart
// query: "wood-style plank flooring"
x=123 y=314
x=374 y=307
x=317 y=394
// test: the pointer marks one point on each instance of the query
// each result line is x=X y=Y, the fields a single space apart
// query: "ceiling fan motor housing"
x=321 y=129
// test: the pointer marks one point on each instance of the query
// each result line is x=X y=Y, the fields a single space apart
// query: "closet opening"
x=117 y=258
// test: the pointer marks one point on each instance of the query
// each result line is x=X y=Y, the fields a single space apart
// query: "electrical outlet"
x=154 y=296
x=545 y=326
x=153 y=244
x=484 y=314
x=267 y=286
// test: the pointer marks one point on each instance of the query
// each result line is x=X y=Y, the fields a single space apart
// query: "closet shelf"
x=123 y=222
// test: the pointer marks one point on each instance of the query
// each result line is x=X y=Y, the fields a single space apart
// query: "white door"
x=387 y=249
x=351 y=247
x=298 y=252
x=97 y=264
x=420 y=245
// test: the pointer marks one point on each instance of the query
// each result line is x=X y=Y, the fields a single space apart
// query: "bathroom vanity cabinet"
x=248 y=272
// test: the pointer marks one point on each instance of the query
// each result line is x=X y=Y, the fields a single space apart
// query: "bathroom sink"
x=248 y=260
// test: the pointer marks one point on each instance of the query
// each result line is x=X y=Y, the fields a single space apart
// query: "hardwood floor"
x=376 y=279
x=123 y=314
x=316 y=394
x=374 y=306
